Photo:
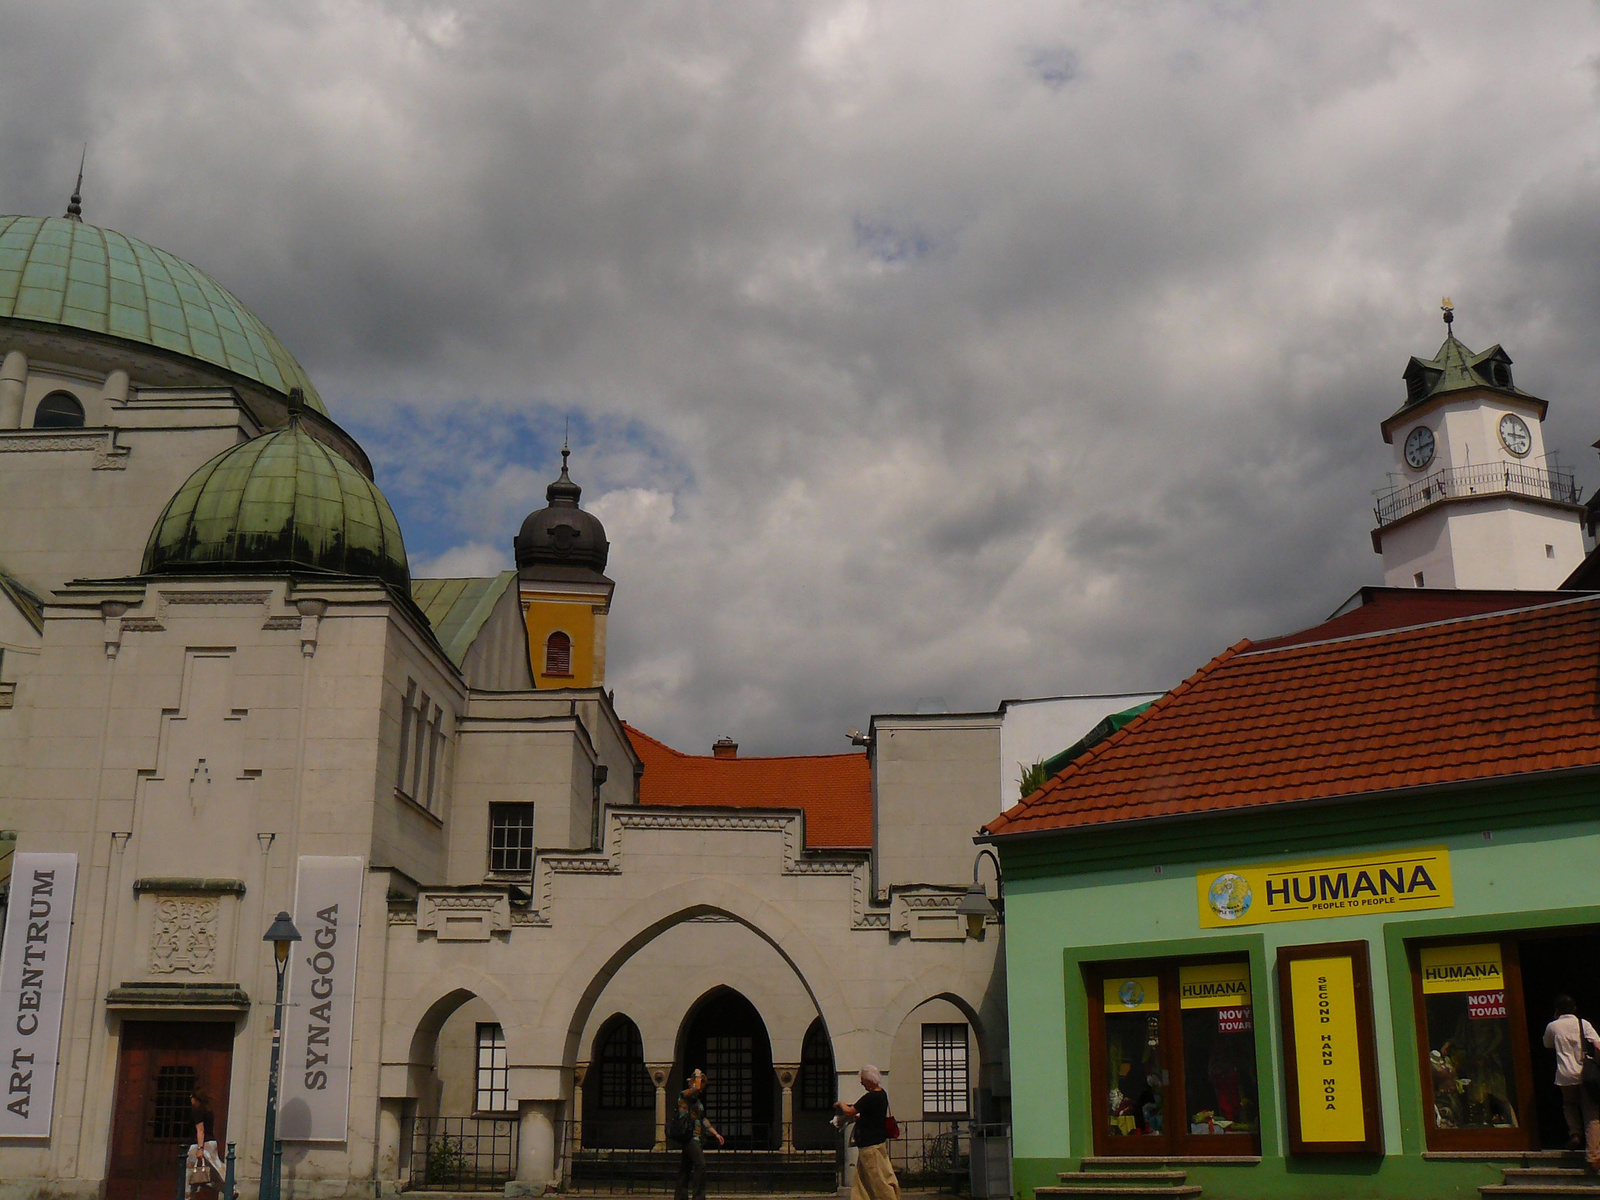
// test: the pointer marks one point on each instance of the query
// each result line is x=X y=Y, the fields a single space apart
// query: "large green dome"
x=59 y=271
x=280 y=501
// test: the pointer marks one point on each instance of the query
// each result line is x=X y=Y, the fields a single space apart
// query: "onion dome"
x=562 y=534
x=60 y=271
x=279 y=502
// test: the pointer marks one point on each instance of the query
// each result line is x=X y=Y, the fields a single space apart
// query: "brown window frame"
x=1525 y=1136
x=1176 y=1141
x=1372 y=1115
x=550 y=660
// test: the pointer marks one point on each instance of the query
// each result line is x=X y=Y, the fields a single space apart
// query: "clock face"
x=1514 y=435
x=1419 y=447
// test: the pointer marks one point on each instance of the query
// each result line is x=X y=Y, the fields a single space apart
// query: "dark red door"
x=159 y=1064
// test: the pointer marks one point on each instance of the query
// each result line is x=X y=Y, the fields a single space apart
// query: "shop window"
x=1474 y=1047
x=819 y=1085
x=511 y=838
x=58 y=410
x=624 y=1083
x=944 y=1070
x=1173 y=1049
x=558 y=655
x=494 y=1074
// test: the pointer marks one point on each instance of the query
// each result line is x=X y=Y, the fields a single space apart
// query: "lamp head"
x=281 y=935
x=976 y=908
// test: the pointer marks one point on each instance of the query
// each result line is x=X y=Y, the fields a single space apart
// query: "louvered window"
x=558 y=654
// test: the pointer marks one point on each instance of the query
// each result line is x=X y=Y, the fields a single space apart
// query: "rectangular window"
x=511 y=838
x=494 y=1074
x=404 y=760
x=1172 y=1048
x=944 y=1070
x=419 y=747
x=169 y=1116
x=435 y=736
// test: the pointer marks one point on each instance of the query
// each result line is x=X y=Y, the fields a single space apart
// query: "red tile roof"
x=833 y=790
x=1347 y=713
x=1396 y=607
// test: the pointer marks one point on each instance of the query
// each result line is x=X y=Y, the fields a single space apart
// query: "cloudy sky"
x=909 y=350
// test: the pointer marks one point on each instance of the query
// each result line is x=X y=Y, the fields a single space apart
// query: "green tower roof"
x=280 y=501
x=59 y=271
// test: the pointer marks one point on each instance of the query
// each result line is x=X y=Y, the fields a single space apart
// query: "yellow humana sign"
x=1327 y=1052
x=1447 y=969
x=1392 y=881
x=1214 y=985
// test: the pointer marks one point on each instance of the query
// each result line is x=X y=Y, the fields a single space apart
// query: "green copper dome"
x=282 y=501
x=59 y=271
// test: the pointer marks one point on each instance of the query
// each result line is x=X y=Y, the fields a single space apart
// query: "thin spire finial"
x=75 y=208
x=1449 y=311
x=566 y=437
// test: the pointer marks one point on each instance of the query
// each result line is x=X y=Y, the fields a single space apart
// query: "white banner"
x=33 y=987
x=319 y=1013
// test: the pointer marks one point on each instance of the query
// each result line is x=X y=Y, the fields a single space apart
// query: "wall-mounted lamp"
x=976 y=906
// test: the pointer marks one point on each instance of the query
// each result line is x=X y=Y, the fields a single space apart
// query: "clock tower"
x=1475 y=501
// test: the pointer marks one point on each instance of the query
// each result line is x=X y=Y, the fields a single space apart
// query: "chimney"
x=725 y=747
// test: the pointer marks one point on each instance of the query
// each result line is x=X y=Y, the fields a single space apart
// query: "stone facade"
x=195 y=739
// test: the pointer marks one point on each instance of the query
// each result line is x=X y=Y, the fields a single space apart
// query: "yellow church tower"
x=561 y=558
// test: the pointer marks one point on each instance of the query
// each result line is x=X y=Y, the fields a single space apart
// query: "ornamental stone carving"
x=184 y=936
x=463 y=916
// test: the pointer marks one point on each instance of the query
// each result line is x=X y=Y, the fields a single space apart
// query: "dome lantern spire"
x=75 y=205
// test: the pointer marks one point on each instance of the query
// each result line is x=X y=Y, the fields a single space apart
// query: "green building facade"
x=1221 y=957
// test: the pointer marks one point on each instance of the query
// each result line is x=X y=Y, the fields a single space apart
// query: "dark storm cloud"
x=910 y=349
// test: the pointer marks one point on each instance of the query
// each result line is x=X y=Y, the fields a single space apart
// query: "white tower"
x=1476 y=504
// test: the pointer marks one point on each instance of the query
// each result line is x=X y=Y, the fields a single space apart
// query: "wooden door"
x=159 y=1064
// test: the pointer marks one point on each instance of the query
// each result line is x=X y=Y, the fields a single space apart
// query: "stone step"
x=1152 y=1176
x=1124 y=1191
x=1522 y=1174
x=1542 y=1189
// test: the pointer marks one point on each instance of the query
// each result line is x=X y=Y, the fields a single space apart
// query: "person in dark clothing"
x=692 y=1166
x=200 y=1114
x=875 y=1177
x=203 y=1161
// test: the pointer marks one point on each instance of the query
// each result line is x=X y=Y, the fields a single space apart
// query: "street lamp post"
x=282 y=935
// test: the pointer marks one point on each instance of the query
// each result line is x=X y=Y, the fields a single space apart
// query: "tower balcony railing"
x=1480 y=479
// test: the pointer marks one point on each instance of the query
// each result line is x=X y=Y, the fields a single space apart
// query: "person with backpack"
x=875 y=1178
x=1574 y=1039
x=689 y=1127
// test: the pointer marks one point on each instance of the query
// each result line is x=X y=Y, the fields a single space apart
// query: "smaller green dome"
x=284 y=501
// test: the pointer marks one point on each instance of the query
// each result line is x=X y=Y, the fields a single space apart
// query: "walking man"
x=693 y=1126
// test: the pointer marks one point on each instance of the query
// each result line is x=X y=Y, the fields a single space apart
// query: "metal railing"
x=933 y=1155
x=461 y=1154
x=742 y=1166
x=1484 y=479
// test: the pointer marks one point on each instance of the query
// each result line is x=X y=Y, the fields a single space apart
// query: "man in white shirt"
x=1566 y=1036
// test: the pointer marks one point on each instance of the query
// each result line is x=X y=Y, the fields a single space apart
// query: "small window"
x=558 y=654
x=1500 y=373
x=494 y=1073
x=511 y=838
x=944 y=1070
x=1549 y=550
x=1418 y=578
x=408 y=706
x=169 y=1118
x=625 y=1084
x=58 y=410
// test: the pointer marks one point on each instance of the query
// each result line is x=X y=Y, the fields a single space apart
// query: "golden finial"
x=1449 y=311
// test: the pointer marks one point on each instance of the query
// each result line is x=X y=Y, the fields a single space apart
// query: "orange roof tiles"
x=1347 y=713
x=833 y=790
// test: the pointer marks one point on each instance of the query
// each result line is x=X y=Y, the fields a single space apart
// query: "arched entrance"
x=619 y=1099
x=725 y=1037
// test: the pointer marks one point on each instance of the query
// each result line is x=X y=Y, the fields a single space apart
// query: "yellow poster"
x=1462 y=969
x=1214 y=985
x=1392 y=881
x=1327 y=1050
x=1140 y=993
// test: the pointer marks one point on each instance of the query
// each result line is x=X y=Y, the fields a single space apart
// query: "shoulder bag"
x=1591 y=1063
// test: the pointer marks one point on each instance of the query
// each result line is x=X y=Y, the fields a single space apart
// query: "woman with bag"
x=1578 y=1076
x=875 y=1179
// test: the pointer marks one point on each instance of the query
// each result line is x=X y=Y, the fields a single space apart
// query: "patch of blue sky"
x=1053 y=66
x=891 y=242
x=470 y=473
